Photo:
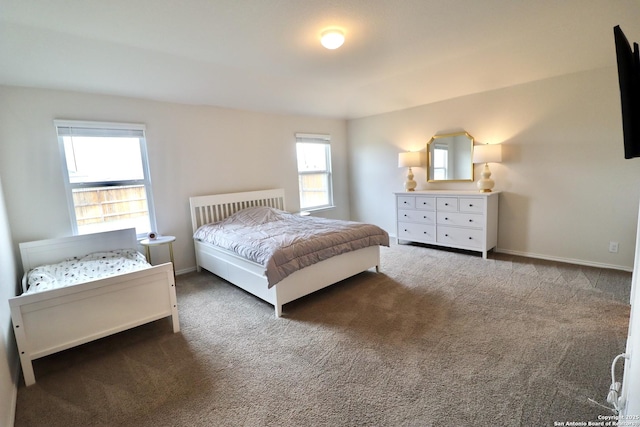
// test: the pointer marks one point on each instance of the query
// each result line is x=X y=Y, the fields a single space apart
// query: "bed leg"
x=278 y=310
x=174 y=305
x=176 y=322
x=377 y=269
x=24 y=349
x=27 y=371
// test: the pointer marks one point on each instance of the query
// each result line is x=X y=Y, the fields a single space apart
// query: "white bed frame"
x=50 y=321
x=251 y=276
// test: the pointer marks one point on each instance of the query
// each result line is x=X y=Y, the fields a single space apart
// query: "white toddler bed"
x=251 y=276
x=53 y=320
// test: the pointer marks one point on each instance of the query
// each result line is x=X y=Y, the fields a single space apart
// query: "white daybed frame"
x=50 y=321
x=249 y=275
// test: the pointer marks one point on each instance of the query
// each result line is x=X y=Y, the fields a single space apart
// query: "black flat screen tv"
x=629 y=79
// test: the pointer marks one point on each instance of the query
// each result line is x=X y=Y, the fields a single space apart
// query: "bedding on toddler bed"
x=76 y=270
x=284 y=243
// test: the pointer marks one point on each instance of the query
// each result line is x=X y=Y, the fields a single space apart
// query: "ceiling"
x=265 y=55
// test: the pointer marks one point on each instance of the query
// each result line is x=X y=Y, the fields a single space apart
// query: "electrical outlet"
x=613 y=247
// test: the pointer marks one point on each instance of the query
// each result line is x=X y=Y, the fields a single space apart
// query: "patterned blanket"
x=84 y=269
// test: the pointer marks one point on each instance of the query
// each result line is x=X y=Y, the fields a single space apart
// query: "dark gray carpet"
x=438 y=338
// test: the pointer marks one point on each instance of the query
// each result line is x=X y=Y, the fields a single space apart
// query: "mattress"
x=94 y=266
x=284 y=243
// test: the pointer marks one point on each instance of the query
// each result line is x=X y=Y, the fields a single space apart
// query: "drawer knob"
x=446 y=218
x=470 y=205
x=424 y=232
x=405 y=214
x=446 y=204
x=446 y=235
x=470 y=220
x=470 y=238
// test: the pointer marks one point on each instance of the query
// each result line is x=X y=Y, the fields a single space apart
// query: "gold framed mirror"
x=450 y=158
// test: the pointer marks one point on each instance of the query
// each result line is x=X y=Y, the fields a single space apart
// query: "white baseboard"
x=185 y=270
x=566 y=260
x=11 y=416
x=554 y=258
x=14 y=369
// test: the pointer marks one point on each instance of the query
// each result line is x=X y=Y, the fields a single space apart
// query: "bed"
x=53 y=320
x=252 y=276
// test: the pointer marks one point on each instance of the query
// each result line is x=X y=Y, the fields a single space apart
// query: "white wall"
x=8 y=352
x=193 y=150
x=567 y=191
x=566 y=188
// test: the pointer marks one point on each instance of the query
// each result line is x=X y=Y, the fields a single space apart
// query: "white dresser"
x=457 y=219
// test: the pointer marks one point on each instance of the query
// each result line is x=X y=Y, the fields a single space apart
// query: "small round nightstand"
x=160 y=240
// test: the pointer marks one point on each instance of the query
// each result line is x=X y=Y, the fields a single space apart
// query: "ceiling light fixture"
x=332 y=39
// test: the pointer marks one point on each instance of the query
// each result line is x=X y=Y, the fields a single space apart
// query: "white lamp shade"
x=409 y=159
x=487 y=153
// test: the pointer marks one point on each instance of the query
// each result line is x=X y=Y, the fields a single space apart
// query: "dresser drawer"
x=416 y=232
x=424 y=217
x=459 y=219
x=406 y=202
x=460 y=237
x=426 y=203
x=448 y=204
x=471 y=205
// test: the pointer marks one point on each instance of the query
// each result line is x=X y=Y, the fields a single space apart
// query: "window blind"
x=313 y=138
x=93 y=129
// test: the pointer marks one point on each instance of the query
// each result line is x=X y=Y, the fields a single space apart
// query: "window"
x=440 y=161
x=314 y=171
x=106 y=176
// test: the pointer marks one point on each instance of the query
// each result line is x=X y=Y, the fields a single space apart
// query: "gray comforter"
x=284 y=243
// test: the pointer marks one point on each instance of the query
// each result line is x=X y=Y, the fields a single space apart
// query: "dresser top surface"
x=469 y=193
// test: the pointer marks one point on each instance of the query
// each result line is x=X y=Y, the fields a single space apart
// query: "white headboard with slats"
x=216 y=207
